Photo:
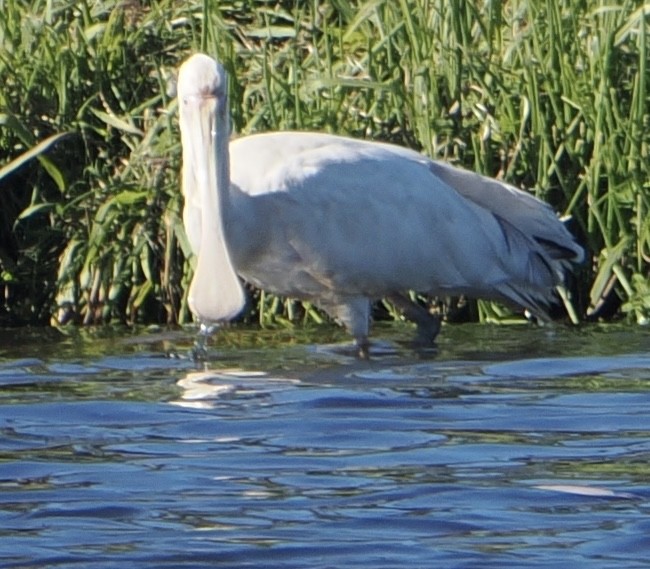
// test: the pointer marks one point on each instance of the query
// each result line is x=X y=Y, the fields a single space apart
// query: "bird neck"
x=222 y=160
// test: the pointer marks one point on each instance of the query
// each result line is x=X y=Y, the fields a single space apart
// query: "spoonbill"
x=343 y=222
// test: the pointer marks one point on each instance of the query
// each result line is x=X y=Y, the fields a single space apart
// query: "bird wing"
x=518 y=208
x=333 y=214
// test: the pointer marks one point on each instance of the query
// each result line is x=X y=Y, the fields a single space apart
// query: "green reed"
x=550 y=96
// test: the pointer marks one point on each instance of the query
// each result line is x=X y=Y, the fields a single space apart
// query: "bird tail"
x=541 y=281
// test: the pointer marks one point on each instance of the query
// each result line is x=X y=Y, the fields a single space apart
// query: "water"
x=507 y=447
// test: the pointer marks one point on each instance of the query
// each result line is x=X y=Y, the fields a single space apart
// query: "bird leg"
x=363 y=347
x=354 y=313
x=428 y=325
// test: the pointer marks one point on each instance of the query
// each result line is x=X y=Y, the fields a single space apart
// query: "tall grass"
x=548 y=95
x=92 y=235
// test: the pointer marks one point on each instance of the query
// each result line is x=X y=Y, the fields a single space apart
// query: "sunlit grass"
x=549 y=96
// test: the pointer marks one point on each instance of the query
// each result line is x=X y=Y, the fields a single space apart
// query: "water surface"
x=505 y=447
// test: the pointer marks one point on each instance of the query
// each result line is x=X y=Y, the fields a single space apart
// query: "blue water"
x=505 y=447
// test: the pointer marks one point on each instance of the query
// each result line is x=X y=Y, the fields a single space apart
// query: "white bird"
x=343 y=222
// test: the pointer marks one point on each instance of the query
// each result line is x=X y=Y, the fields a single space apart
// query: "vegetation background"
x=549 y=95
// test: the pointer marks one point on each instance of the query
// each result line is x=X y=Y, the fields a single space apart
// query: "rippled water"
x=505 y=447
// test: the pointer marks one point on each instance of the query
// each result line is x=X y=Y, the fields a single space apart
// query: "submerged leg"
x=363 y=347
x=428 y=325
x=354 y=314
